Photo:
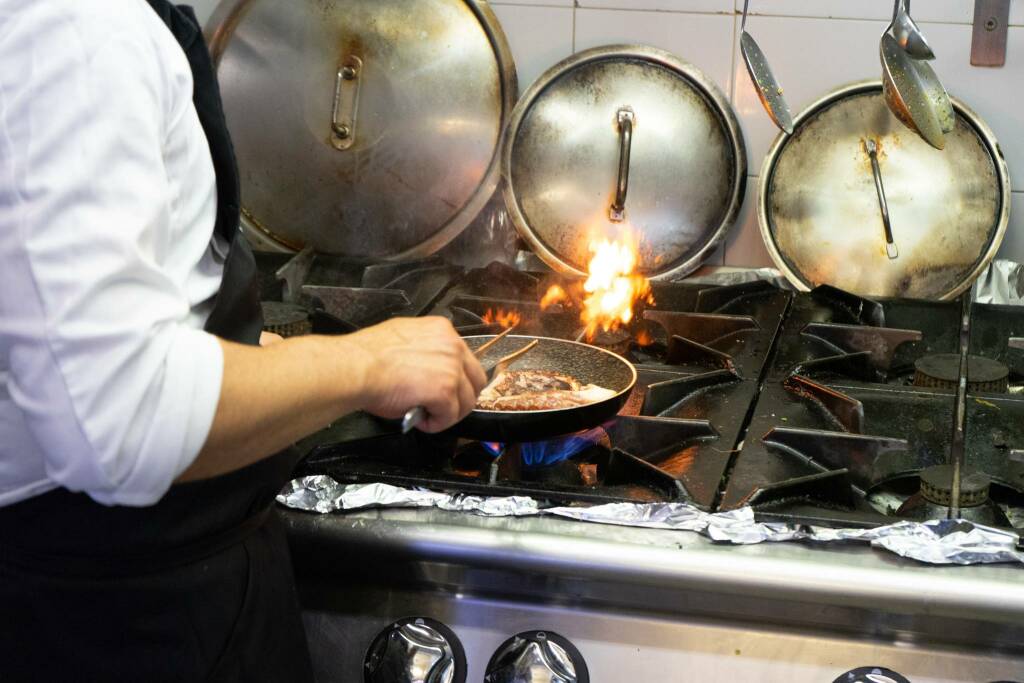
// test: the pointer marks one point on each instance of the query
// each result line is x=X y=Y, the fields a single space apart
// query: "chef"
x=143 y=430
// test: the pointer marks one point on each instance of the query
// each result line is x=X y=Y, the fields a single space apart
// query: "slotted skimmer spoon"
x=914 y=93
x=768 y=89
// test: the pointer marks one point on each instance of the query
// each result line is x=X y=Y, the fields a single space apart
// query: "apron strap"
x=236 y=315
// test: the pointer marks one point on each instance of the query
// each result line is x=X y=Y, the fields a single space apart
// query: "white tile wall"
x=203 y=8
x=704 y=40
x=745 y=246
x=714 y=6
x=923 y=10
x=540 y=37
x=549 y=3
x=813 y=46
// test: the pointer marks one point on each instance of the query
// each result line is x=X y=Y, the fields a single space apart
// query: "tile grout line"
x=732 y=64
x=531 y=4
x=734 y=13
x=575 y=6
x=732 y=103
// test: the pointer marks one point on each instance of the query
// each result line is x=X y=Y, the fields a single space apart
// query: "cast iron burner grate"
x=802 y=406
x=631 y=458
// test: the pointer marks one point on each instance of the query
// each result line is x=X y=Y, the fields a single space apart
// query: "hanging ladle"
x=890 y=244
x=768 y=89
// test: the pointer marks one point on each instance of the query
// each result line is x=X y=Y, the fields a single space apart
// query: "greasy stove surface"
x=816 y=407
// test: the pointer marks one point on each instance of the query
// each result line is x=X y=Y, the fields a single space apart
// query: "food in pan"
x=538 y=390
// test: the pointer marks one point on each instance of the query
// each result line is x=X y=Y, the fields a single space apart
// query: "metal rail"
x=956 y=449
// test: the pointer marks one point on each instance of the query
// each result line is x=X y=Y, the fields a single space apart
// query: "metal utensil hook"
x=626 y=120
x=896 y=8
x=907 y=33
x=890 y=246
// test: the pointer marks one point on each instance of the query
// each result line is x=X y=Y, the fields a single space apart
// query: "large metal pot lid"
x=819 y=208
x=632 y=122
x=364 y=129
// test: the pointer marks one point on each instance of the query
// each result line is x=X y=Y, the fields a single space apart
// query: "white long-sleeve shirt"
x=108 y=385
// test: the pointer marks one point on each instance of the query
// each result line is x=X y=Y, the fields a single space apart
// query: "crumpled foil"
x=934 y=542
x=323 y=494
x=1001 y=283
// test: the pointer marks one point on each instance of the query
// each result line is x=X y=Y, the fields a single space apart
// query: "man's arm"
x=111 y=377
x=272 y=396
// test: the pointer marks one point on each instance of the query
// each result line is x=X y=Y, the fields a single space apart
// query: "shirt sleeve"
x=116 y=387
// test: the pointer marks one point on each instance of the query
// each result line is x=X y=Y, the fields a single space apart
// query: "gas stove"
x=820 y=408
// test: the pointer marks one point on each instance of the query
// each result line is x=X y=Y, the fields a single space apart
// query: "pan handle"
x=346 y=103
x=883 y=205
x=625 y=119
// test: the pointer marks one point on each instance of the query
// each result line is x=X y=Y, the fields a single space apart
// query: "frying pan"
x=588 y=364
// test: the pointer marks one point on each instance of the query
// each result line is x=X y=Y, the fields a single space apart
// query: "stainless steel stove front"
x=622 y=648
x=636 y=605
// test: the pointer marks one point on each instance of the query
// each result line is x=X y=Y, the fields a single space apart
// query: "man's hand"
x=273 y=395
x=418 y=362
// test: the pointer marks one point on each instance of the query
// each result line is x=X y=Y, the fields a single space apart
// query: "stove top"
x=817 y=407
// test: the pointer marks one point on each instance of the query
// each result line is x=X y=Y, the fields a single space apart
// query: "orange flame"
x=613 y=288
x=502 y=317
x=644 y=338
x=554 y=295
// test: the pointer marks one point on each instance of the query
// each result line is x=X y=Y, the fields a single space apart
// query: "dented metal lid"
x=624 y=137
x=363 y=129
x=821 y=211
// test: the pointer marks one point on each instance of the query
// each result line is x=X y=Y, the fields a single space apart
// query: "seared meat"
x=529 y=381
x=538 y=390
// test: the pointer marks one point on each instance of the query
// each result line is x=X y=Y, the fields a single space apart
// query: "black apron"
x=198 y=587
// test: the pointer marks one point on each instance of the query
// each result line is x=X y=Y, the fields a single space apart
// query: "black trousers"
x=198 y=587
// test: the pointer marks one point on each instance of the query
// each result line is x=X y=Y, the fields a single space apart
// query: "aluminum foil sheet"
x=1001 y=283
x=323 y=494
x=933 y=542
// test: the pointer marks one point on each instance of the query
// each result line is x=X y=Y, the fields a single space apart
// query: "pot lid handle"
x=626 y=119
x=890 y=244
x=346 y=103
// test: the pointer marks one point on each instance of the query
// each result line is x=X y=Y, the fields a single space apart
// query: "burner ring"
x=287 y=320
x=943 y=371
x=937 y=486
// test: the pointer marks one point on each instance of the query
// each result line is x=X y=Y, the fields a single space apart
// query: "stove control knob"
x=537 y=657
x=415 y=651
x=871 y=674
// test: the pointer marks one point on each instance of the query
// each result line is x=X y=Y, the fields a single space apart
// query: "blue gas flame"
x=553 y=451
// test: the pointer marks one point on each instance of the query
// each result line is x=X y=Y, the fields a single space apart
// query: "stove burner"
x=937 y=486
x=287 y=320
x=541 y=454
x=547 y=453
x=617 y=341
x=942 y=371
